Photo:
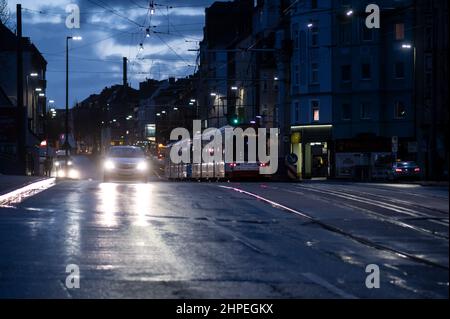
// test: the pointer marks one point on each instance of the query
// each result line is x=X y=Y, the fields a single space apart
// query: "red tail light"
x=398 y=170
x=417 y=170
x=263 y=165
x=233 y=164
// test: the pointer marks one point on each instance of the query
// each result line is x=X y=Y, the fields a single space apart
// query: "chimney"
x=125 y=77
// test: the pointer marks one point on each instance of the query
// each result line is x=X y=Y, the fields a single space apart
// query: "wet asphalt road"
x=225 y=240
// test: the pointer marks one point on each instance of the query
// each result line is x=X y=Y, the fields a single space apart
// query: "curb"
x=26 y=191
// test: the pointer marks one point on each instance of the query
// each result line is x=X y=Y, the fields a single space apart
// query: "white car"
x=126 y=162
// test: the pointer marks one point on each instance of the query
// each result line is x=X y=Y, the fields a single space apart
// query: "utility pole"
x=66 y=143
x=21 y=112
x=125 y=75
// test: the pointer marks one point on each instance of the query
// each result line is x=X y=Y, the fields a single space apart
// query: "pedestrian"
x=48 y=165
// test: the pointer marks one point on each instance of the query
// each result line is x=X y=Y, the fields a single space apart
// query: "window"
x=400 y=110
x=345 y=33
x=346 y=111
x=314 y=73
x=367 y=34
x=295 y=35
x=399 y=70
x=346 y=73
x=315 y=35
x=365 y=111
x=315 y=110
x=297 y=112
x=366 y=72
x=399 y=31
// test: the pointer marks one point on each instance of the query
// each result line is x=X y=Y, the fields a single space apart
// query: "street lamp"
x=66 y=142
x=409 y=46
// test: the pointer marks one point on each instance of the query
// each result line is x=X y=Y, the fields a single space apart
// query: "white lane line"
x=340 y=231
x=322 y=282
x=20 y=194
x=274 y=204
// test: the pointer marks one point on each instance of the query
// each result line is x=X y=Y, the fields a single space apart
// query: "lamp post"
x=66 y=142
x=408 y=46
x=31 y=75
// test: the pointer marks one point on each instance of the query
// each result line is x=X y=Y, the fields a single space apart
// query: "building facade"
x=34 y=97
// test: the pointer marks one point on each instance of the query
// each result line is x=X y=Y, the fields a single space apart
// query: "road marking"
x=395 y=208
x=20 y=194
x=322 y=282
x=340 y=231
x=393 y=200
x=382 y=217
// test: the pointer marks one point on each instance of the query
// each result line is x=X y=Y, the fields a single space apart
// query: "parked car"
x=404 y=170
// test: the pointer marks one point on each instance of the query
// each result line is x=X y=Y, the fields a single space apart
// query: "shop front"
x=362 y=158
x=311 y=144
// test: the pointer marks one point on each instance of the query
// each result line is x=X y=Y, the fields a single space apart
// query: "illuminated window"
x=315 y=110
x=399 y=31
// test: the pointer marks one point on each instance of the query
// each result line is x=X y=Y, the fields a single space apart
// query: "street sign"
x=292 y=159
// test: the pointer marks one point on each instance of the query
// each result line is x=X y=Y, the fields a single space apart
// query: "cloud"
x=110 y=31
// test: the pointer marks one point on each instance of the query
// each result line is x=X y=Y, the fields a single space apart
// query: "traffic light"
x=234 y=120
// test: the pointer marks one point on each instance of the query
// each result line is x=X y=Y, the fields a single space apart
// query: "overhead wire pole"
x=21 y=112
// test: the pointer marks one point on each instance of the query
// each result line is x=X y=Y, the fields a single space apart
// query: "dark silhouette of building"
x=431 y=88
x=34 y=71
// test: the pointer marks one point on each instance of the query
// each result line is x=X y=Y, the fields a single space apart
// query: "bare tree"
x=5 y=15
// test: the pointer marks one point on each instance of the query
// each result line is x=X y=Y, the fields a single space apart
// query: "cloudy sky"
x=112 y=29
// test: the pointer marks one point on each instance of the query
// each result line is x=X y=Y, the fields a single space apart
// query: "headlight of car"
x=57 y=164
x=61 y=173
x=109 y=165
x=70 y=163
x=142 y=166
x=74 y=174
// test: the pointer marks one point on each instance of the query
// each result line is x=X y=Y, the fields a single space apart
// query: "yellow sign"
x=296 y=138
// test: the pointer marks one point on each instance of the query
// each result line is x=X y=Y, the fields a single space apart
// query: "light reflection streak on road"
x=108 y=204
x=142 y=195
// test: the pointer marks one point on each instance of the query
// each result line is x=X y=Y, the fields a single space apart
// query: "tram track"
x=329 y=227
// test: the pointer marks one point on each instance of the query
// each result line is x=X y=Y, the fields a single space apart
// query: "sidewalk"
x=431 y=183
x=9 y=183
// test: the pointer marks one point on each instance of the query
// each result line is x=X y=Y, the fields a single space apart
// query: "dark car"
x=404 y=170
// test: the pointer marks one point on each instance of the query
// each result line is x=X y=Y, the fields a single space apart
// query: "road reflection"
x=142 y=197
x=134 y=200
x=107 y=199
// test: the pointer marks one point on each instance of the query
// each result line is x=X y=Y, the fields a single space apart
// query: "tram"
x=212 y=170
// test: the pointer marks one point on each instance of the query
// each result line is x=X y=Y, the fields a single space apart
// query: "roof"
x=8 y=42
